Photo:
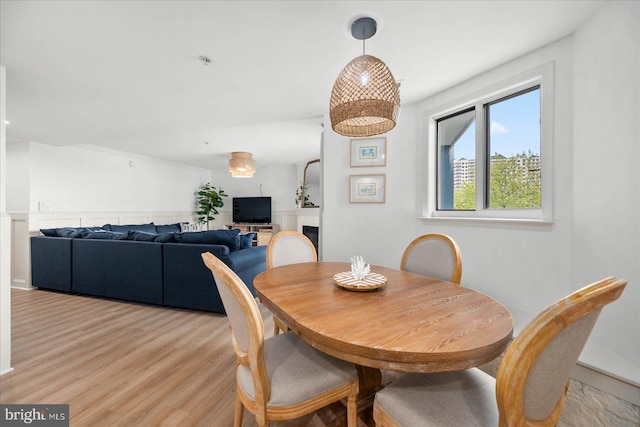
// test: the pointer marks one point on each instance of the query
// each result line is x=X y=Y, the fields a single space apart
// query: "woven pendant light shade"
x=241 y=165
x=365 y=99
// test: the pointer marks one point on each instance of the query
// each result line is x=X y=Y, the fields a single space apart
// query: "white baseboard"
x=20 y=284
x=607 y=383
x=6 y=371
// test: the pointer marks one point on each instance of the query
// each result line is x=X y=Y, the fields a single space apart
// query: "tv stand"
x=264 y=232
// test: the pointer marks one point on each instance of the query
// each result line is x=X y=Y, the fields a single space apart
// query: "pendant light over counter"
x=365 y=99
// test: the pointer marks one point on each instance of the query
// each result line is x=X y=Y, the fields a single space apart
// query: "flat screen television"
x=253 y=210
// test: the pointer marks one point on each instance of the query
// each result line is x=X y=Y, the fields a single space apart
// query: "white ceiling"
x=126 y=75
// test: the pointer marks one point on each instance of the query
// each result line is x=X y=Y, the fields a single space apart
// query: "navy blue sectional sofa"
x=142 y=263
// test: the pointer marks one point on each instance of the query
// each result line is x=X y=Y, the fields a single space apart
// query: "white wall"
x=277 y=182
x=87 y=178
x=534 y=257
x=94 y=179
x=5 y=239
x=18 y=169
x=378 y=232
x=606 y=229
x=595 y=230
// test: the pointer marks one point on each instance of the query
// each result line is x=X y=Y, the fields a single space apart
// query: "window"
x=456 y=161
x=492 y=153
x=513 y=141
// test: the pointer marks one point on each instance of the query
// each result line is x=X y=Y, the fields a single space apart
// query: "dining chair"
x=288 y=247
x=435 y=255
x=532 y=379
x=281 y=377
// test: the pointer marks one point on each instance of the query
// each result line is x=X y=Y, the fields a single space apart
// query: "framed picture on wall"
x=367 y=188
x=368 y=152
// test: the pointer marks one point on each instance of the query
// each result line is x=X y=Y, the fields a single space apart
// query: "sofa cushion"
x=168 y=228
x=228 y=238
x=49 y=232
x=69 y=232
x=148 y=228
x=246 y=240
x=101 y=234
x=141 y=236
x=166 y=238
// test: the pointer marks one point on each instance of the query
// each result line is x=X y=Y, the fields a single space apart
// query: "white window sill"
x=479 y=220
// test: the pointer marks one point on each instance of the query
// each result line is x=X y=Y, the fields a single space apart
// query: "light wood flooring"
x=123 y=364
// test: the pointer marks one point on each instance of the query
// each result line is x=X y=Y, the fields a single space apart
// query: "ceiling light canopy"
x=365 y=99
x=241 y=165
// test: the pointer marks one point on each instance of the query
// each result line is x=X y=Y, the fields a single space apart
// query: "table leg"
x=369 y=384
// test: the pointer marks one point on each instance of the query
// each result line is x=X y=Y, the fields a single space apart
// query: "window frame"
x=541 y=76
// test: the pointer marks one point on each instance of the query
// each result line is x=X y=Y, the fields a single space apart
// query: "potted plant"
x=302 y=199
x=208 y=198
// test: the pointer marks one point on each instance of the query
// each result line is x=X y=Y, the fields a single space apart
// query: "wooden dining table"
x=413 y=323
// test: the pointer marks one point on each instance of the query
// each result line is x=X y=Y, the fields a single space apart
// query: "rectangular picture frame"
x=368 y=152
x=370 y=188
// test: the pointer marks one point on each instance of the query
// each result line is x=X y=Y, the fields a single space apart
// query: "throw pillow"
x=69 y=232
x=49 y=232
x=147 y=228
x=228 y=238
x=141 y=236
x=246 y=240
x=168 y=228
x=104 y=235
x=165 y=238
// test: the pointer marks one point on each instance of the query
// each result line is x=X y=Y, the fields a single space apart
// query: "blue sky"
x=515 y=127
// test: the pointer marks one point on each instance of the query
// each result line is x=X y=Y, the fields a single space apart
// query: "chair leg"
x=237 y=416
x=352 y=412
x=278 y=326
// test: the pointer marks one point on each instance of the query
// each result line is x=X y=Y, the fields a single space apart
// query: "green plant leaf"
x=208 y=198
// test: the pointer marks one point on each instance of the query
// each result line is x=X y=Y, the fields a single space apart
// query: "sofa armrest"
x=51 y=263
x=188 y=283
x=248 y=263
